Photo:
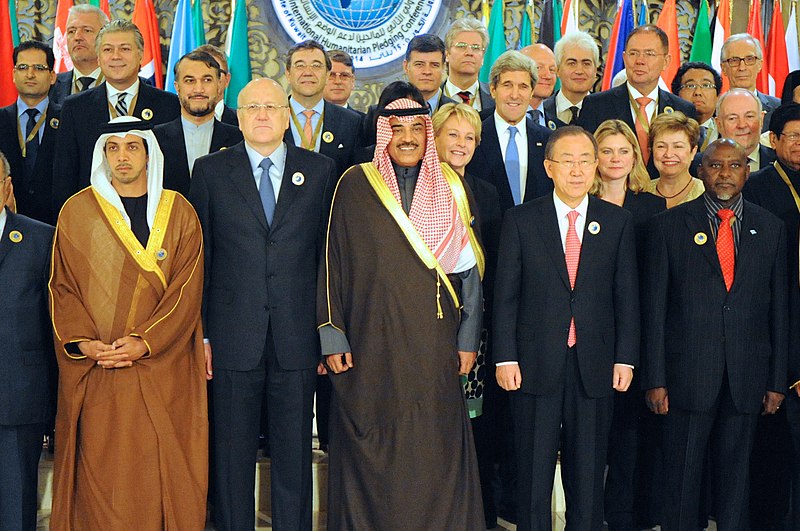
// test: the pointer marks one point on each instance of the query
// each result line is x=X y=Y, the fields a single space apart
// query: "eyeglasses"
x=647 y=54
x=695 y=86
x=314 y=67
x=252 y=109
x=734 y=62
x=24 y=68
x=462 y=47
x=572 y=164
x=791 y=137
x=342 y=76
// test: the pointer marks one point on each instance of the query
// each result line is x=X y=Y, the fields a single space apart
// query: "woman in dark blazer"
x=622 y=179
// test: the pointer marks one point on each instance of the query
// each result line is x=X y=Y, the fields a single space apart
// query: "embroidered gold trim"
x=460 y=197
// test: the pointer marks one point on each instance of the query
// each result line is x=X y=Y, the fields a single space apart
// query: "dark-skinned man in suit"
x=573 y=254
x=263 y=207
x=716 y=337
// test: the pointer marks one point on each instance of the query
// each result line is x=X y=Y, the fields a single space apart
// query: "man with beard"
x=197 y=132
x=401 y=258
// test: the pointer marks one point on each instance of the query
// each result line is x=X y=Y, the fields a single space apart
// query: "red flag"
x=722 y=30
x=755 y=29
x=63 y=60
x=144 y=16
x=8 y=92
x=668 y=21
x=775 y=54
x=104 y=7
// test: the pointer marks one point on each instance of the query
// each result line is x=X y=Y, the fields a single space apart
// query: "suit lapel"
x=535 y=149
x=244 y=181
x=698 y=224
x=748 y=244
x=623 y=105
x=218 y=139
x=590 y=243
x=5 y=241
x=289 y=190
x=494 y=161
x=551 y=235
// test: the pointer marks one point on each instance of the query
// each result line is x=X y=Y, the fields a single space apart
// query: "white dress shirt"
x=651 y=107
x=113 y=94
x=521 y=139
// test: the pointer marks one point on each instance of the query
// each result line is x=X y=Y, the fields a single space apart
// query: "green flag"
x=238 y=53
x=701 y=45
x=525 y=32
x=12 y=12
x=558 y=12
x=197 y=21
x=497 y=40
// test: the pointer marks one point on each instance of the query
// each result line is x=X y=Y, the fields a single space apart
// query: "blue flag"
x=182 y=42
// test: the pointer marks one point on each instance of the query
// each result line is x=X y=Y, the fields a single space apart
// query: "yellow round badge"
x=15 y=236
x=700 y=238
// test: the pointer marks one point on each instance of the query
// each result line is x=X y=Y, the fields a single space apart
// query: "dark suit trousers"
x=238 y=396
x=792 y=405
x=20 y=448
x=687 y=435
x=579 y=425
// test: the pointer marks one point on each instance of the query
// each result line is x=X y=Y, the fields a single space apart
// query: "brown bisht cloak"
x=132 y=450
x=401 y=450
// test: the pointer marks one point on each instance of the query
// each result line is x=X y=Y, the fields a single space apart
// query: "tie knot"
x=466 y=96
x=512 y=130
x=85 y=81
x=265 y=165
x=644 y=101
x=725 y=214
x=572 y=215
x=32 y=113
x=309 y=113
x=121 y=96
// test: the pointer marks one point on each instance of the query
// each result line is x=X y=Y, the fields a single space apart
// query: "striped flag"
x=144 y=16
x=199 y=26
x=623 y=25
x=792 y=44
x=722 y=30
x=644 y=17
x=12 y=15
x=701 y=43
x=182 y=41
x=558 y=15
x=497 y=39
x=570 y=19
x=63 y=60
x=756 y=29
x=8 y=92
x=668 y=21
x=102 y=4
x=238 y=50
x=776 y=52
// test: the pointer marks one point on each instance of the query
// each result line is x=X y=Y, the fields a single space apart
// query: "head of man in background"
x=341 y=78
x=741 y=58
x=548 y=73
x=307 y=68
x=424 y=66
x=84 y=22
x=120 y=47
x=646 y=57
x=197 y=82
x=577 y=59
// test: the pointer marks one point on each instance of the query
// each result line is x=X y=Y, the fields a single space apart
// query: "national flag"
x=777 y=60
x=102 y=4
x=526 y=30
x=558 y=15
x=546 y=34
x=756 y=30
x=12 y=14
x=668 y=21
x=792 y=44
x=623 y=25
x=485 y=12
x=701 y=42
x=722 y=30
x=63 y=60
x=569 y=22
x=144 y=16
x=644 y=17
x=8 y=92
x=182 y=41
x=199 y=26
x=497 y=39
x=238 y=50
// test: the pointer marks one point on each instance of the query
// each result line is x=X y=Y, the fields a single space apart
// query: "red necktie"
x=572 y=254
x=641 y=128
x=725 y=248
x=465 y=96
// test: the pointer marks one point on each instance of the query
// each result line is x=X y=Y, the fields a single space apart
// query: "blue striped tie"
x=512 y=165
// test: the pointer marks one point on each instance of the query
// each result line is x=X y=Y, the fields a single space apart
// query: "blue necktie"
x=266 y=191
x=512 y=165
x=32 y=146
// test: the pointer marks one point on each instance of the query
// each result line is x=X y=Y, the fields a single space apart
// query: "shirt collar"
x=130 y=91
x=186 y=124
x=277 y=157
x=77 y=74
x=712 y=205
x=453 y=90
x=298 y=108
x=433 y=103
x=22 y=106
x=562 y=209
x=3 y=218
x=219 y=108
x=636 y=94
x=563 y=104
x=502 y=125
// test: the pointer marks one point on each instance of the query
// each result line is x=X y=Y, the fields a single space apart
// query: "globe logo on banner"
x=356 y=15
x=373 y=32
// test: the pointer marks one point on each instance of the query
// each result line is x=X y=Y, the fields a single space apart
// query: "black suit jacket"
x=173 y=143
x=33 y=191
x=533 y=302
x=259 y=276
x=61 y=88
x=768 y=104
x=230 y=117
x=82 y=117
x=27 y=354
x=345 y=127
x=551 y=113
x=487 y=162
x=696 y=331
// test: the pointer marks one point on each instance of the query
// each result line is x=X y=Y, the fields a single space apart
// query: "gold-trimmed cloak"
x=132 y=450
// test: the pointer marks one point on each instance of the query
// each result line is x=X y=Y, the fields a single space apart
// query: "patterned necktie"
x=512 y=166
x=535 y=114
x=641 y=128
x=574 y=110
x=266 y=190
x=32 y=145
x=572 y=254
x=84 y=82
x=725 y=248
x=307 y=130
x=466 y=96
x=121 y=107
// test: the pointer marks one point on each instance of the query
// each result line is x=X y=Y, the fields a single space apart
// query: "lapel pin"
x=538 y=144
x=223 y=147
x=551 y=124
x=753 y=231
x=472 y=221
x=147 y=114
x=668 y=109
x=700 y=238
x=54 y=123
x=341 y=146
x=327 y=136
x=298 y=178
x=15 y=236
x=161 y=254
x=594 y=227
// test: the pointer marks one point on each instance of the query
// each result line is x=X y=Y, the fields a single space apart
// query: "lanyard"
x=113 y=111
x=785 y=178
x=639 y=117
x=23 y=142
x=314 y=136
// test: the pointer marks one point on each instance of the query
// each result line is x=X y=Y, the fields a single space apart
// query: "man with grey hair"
x=511 y=152
x=119 y=47
x=577 y=59
x=466 y=41
x=742 y=59
x=83 y=23
x=740 y=118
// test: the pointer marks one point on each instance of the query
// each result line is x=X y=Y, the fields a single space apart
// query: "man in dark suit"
x=700 y=84
x=546 y=83
x=83 y=23
x=740 y=117
x=424 y=67
x=315 y=124
x=466 y=41
x=341 y=80
x=123 y=93
x=773 y=188
x=222 y=112
x=742 y=59
x=33 y=118
x=516 y=173
x=577 y=59
x=263 y=206
x=715 y=340
x=28 y=362
x=573 y=254
x=640 y=99
x=196 y=132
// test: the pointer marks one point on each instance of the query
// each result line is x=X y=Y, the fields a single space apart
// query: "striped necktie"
x=572 y=254
x=121 y=107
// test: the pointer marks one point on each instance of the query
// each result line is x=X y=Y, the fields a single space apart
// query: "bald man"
x=548 y=77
